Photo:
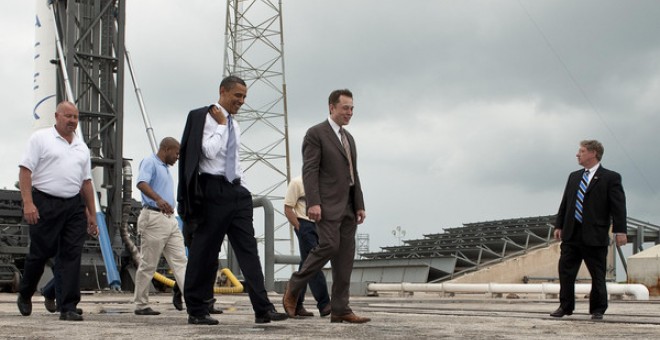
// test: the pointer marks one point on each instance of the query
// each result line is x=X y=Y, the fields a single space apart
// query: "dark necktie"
x=230 y=164
x=347 y=148
x=580 y=196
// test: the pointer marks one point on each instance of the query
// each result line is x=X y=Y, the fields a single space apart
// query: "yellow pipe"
x=235 y=286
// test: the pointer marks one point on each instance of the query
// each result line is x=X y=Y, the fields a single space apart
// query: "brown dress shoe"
x=289 y=301
x=350 y=318
x=303 y=312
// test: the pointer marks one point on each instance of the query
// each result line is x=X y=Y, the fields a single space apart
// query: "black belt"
x=49 y=196
x=236 y=181
x=150 y=208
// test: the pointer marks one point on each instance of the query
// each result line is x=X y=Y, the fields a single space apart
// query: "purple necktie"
x=230 y=164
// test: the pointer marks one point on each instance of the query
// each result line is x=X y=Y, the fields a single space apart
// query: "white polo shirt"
x=58 y=168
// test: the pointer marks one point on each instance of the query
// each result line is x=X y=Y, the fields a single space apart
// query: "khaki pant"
x=160 y=235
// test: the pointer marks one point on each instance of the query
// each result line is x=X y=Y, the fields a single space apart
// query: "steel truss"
x=92 y=33
x=254 y=51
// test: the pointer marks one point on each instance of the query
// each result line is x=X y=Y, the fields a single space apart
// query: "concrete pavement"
x=109 y=315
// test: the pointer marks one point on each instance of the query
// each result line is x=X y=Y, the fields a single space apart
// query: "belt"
x=49 y=196
x=236 y=181
x=150 y=208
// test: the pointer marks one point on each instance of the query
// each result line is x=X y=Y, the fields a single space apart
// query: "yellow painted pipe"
x=235 y=286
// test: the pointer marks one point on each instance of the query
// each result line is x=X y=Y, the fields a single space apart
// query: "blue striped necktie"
x=580 y=195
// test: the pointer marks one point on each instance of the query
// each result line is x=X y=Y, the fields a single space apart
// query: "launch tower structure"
x=92 y=34
x=254 y=51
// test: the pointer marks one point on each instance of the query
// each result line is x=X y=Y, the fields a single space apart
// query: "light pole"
x=398 y=233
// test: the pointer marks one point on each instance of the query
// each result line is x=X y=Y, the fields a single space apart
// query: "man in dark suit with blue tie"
x=335 y=203
x=593 y=201
x=213 y=201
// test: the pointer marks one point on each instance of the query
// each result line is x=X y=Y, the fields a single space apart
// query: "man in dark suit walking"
x=593 y=201
x=213 y=202
x=335 y=203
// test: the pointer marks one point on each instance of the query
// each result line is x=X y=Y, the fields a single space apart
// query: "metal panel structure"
x=92 y=34
x=474 y=245
x=254 y=51
x=362 y=241
x=91 y=75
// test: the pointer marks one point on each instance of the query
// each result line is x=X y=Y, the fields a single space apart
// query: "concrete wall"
x=536 y=263
x=644 y=268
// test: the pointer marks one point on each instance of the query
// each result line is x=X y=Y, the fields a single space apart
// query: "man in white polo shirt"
x=58 y=204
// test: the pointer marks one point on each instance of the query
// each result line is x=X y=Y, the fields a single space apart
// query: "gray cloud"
x=465 y=111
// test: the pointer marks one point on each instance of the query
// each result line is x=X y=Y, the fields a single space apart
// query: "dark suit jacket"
x=326 y=174
x=604 y=204
x=189 y=193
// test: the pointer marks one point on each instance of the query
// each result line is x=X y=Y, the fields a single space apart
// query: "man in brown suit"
x=335 y=203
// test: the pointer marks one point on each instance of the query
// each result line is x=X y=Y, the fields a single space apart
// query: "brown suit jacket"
x=326 y=174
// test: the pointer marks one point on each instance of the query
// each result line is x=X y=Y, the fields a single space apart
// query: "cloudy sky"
x=465 y=111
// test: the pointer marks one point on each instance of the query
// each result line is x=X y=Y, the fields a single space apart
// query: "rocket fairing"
x=45 y=72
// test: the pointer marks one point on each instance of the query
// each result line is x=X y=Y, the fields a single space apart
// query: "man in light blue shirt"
x=157 y=226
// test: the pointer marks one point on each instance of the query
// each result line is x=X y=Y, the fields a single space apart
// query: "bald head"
x=65 y=106
x=168 y=151
x=168 y=142
x=66 y=119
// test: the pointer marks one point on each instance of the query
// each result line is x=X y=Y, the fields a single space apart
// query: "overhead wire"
x=587 y=99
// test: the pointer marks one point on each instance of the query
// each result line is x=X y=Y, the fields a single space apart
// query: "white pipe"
x=638 y=291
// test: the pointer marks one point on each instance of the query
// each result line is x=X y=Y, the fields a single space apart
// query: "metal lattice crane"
x=254 y=51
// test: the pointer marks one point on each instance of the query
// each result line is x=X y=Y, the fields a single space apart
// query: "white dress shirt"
x=335 y=127
x=592 y=172
x=214 y=146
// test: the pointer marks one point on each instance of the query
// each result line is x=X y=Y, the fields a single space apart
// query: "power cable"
x=588 y=100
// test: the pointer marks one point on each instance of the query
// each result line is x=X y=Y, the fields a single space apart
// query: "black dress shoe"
x=79 y=311
x=24 y=305
x=202 y=320
x=560 y=312
x=177 y=298
x=146 y=311
x=71 y=316
x=212 y=309
x=50 y=305
x=597 y=316
x=325 y=311
x=270 y=316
